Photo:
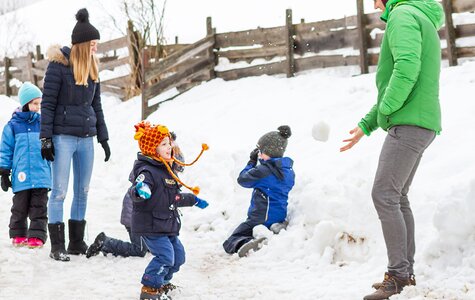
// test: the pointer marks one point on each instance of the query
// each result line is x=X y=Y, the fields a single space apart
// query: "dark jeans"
x=136 y=246
x=33 y=204
x=241 y=235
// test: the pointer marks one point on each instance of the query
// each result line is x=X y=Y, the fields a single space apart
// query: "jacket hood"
x=58 y=55
x=28 y=116
x=432 y=9
x=276 y=165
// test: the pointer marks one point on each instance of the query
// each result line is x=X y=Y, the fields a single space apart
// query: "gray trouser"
x=398 y=162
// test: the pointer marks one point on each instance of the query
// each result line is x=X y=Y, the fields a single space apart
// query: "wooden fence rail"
x=288 y=49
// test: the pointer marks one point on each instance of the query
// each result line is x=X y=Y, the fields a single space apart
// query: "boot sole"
x=59 y=259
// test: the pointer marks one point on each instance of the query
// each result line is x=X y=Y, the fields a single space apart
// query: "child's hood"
x=27 y=117
x=278 y=165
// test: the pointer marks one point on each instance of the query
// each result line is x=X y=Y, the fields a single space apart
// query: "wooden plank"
x=450 y=33
x=326 y=25
x=41 y=64
x=362 y=37
x=254 y=53
x=19 y=62
x=38 y=72
x=461 y=52
x=178 y=57
x=28 y=70
x=329 y=40
x=122 y=81
x=114 y=90
x=164 y=84
x=466 y=30
x=324 y=61
x=114 y=63
x=112 y=45
x=463 y=5
x=289 y=44
x=376 y=42
x=8 y=76
x=267 y=69
x=260 y=36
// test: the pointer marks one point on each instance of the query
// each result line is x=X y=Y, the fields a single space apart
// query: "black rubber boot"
x=76 y=244
x=56 y=235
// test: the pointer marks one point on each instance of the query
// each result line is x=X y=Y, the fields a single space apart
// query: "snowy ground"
x=315 y=258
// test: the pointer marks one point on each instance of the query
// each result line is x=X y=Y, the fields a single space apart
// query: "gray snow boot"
x=255 y=245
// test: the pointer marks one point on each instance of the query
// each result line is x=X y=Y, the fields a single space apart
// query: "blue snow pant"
x=169 y=255
x=241 y=235
x=136 y=246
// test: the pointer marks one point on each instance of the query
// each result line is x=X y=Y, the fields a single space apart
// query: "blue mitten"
x=143 y=190
x=201 y=203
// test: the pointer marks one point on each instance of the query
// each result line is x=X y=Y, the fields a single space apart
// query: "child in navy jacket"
x=156 y=197
x=272 y=181
x=20 y=154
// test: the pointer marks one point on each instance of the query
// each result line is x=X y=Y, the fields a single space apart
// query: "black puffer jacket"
x=68 y=108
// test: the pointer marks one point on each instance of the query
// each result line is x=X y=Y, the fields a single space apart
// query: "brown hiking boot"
x=391 y=285
x=150 y=293
x=412 y=281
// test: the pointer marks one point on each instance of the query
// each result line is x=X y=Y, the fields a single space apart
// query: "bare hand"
x=357 y=135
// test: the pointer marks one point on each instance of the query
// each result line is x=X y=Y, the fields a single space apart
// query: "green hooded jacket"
x=408 y=71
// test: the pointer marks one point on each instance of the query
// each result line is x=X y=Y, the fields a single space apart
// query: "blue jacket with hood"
x=272 y=181
x=20 y=152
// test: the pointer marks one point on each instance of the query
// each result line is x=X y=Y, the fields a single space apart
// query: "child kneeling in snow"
x=156 y=196
x=20 y=151
x=272 y=181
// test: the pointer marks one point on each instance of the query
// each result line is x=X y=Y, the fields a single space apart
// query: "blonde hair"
x=84 y=64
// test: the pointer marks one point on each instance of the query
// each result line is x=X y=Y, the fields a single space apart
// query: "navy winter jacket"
x=157 y=216
x=272 y=181
x=20 y=152
x=68 y=108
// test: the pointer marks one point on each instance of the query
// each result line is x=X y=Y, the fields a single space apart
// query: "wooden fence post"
x=133 y=45
x=289 y=43
x=363 y=38
x=210 y=51
x=145 y=65
x=8 y=76
x=450 y=33
x=176 y=39
x=39 y=56
x=29 y=66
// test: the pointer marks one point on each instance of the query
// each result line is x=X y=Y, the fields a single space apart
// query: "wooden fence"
x=296 y=47
x=32 y=67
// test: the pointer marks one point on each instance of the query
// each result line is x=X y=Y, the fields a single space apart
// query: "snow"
x=333 y=247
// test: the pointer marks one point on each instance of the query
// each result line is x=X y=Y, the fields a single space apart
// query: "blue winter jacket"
x=157 y=216
x=68 y=108
x=272 y=181
x=20 y=152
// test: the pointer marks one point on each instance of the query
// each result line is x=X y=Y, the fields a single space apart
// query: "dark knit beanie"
x=83 y=31
x=274 y=143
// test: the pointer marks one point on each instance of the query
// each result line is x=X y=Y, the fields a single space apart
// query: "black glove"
x=47 y=149
x=107 y=150
x=6 y=183
x=253 y=157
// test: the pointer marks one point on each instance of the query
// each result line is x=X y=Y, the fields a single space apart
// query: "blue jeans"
x=81 y=152
x=169 y=255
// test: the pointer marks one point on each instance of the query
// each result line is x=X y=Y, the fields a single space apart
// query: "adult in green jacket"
x=408 y=109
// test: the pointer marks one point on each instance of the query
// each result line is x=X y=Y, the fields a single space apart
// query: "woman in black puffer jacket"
x=71 y=116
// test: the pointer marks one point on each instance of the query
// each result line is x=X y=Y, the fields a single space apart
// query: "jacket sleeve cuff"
x=363 y=127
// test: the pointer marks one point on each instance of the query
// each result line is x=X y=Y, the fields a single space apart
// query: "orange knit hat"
x=150 y=136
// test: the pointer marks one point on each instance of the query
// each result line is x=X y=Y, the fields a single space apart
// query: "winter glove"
x=253 y=157
x=107 y=150
x=201 y=203
x=142 y=189
x=6 y=183
x=47 y=149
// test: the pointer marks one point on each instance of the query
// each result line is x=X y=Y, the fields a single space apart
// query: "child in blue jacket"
x=156 y=197
x=20 y=154
x=272 y=181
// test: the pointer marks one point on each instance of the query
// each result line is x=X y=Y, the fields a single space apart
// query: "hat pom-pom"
x=204 y=147
x=285 y=131
x=82 y=15
x=195 y=190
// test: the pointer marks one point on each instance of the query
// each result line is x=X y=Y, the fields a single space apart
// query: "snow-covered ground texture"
x=333 y=247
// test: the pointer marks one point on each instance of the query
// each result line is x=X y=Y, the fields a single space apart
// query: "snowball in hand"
x=321 y=131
